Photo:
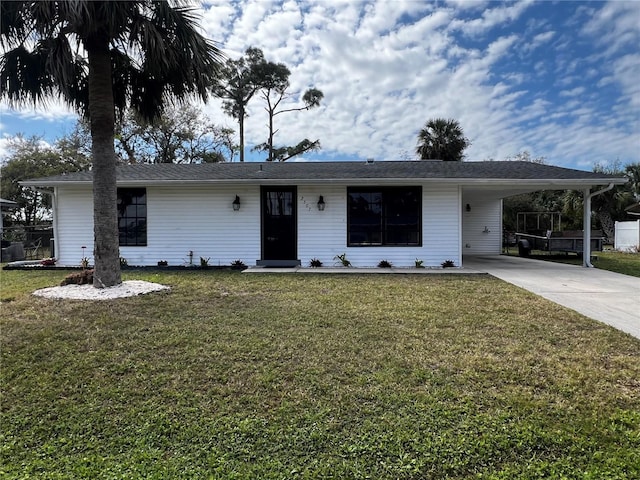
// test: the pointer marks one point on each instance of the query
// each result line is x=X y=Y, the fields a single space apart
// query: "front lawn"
x=237 y=376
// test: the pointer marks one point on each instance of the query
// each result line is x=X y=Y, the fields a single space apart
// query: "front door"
x=279 y=226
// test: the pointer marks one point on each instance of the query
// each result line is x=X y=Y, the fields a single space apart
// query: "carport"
x=482 y=199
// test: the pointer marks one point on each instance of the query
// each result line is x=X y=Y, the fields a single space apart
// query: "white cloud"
x=491 y=17
x=615 y=26
x=573 y=92
x=51 y=111
x=539 y=40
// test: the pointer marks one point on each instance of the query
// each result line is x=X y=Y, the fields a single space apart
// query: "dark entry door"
x=279 y=223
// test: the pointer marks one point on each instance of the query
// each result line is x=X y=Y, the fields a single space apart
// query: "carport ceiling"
x=490 y=192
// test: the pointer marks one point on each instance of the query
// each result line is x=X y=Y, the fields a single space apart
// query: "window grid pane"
x=384 y=216
x=132 y=216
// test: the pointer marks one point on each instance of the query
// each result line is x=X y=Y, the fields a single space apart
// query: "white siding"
x=481 y=226
x=321 y=235
x=441 y=225
x=201 y=220
x=74 y=224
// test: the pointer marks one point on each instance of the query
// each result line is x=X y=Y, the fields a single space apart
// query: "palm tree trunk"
x=608 y=225
x=102 y=118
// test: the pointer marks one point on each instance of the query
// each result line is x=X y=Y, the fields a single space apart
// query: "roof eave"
x=556 y=182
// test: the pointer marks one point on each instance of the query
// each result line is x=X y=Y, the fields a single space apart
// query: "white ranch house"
x=289 y=213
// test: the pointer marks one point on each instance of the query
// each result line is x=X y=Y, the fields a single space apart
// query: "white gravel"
x=130 y=288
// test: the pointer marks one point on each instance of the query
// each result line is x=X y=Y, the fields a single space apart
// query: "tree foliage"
x=237 y=84
x=607 y=208
x=275 y=90
x=32 y=158
x=282 y=154
x=243 y=78
x=179 y=135
x=442 y=139
x=101 y=58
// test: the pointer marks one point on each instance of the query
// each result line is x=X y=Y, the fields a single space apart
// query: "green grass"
x=237 y=376
x=620 y=262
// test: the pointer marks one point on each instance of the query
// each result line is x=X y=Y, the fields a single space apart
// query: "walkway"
x=608 y=297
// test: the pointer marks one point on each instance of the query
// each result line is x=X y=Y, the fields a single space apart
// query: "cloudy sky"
x=560 y=80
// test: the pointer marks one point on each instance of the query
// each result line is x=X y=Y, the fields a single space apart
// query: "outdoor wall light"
x=321 y=203
x=468 y=208
x=236 y=203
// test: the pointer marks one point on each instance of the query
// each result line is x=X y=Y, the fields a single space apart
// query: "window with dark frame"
x=384 y=216
x=132 y=217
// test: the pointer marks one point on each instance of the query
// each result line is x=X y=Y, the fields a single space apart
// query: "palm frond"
x=23 y=76
x=14 y=25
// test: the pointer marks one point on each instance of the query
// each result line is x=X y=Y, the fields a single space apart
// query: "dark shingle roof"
x=306 y=172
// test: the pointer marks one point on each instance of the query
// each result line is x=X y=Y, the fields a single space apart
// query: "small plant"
x=123 y=262
x=204 y=262
x=84 y=261
x=238 y=265
x=419 y=263
x=162 y=263
x=47 y=262
x=384 y=264
x=343 y=260
x=448 y=264
x=315 y=263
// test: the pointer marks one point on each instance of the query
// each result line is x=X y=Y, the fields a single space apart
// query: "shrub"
x=162 y=263
x=419 y=263
x=84 y=277
x=204 y=262
x=448 y=264
x=238 y=265
x=384 y=264
x=315 y=263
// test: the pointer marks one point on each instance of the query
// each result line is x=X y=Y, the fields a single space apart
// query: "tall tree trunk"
x=241 y=122
x=270 y=142
x=102 y=118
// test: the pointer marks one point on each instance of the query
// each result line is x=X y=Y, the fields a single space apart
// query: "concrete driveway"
x=608 y=297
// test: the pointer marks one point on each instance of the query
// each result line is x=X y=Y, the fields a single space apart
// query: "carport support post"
x=586 y=233
x=586 y=222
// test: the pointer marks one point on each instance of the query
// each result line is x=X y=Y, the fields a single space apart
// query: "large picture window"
x=132 y=217
x=384 y=216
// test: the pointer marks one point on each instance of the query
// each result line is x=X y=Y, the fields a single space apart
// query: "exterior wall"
x=627 y=235
x=74 y=225
x=201 y=220
x=323 y=235
x=481 y=226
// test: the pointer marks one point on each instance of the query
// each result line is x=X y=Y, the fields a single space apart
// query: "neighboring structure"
x=5 y=205
x=627 y=238
x=288 y=213
x=10 y=251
